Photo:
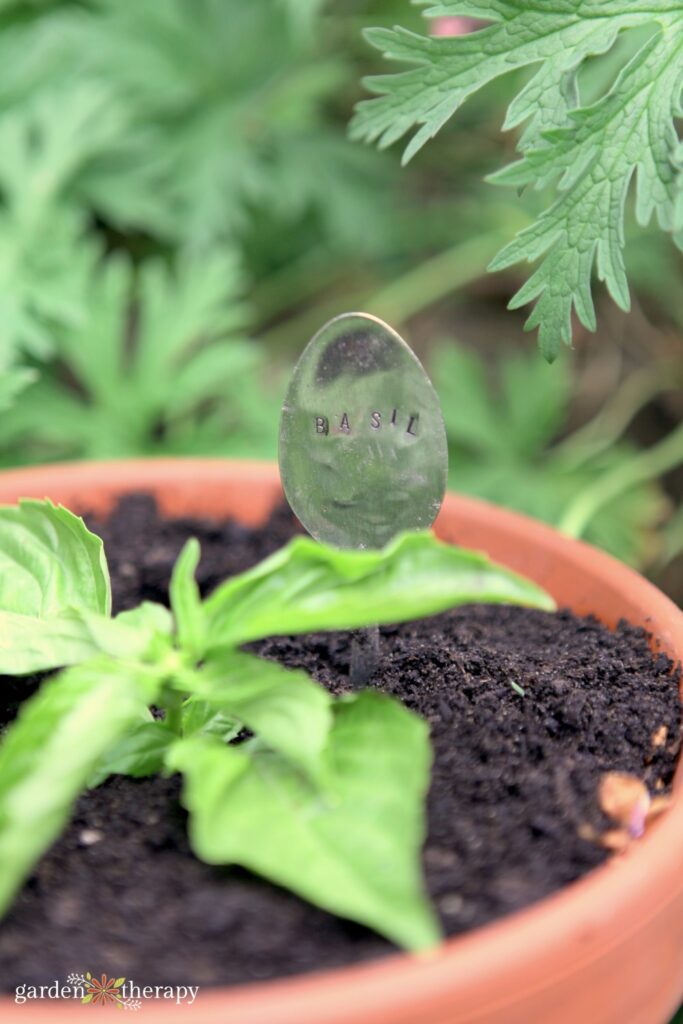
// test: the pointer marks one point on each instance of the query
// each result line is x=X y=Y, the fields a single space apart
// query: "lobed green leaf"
x=594 y=149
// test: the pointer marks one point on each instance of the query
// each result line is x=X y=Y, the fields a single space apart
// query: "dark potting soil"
x=514 y=778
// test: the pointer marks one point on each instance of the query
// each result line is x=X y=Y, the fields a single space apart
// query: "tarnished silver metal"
x=363 y=451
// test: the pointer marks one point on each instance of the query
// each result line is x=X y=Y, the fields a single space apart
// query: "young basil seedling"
x=325 y=798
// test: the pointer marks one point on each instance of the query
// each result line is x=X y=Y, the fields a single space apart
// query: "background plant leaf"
x=505 y=428
x=155 y=353
x=595 y=150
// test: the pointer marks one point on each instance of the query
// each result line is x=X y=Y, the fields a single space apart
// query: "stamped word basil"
x=363 y=450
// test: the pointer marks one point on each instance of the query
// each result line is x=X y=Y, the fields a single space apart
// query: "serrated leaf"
x=43 y=257
x=193 y=76
x=470 y=413
x=308 y=586
x=48 y=754
x=352 y=848
x=595 y=150
x=133 y=384
x=289 y=713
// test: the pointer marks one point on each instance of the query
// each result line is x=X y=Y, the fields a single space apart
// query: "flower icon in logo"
x=103 y=991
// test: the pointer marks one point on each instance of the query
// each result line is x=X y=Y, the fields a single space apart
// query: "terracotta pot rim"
x=402 y=980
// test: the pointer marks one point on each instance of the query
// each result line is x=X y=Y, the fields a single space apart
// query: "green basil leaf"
x=54 y=586
x=138 y=753
x=199 y=716
x=308 y=586
x=149 y=616
x=28 y=644
x=49 y=562
x=153 y=625
x=186 y=602
x=286 y=709
x=353 y=847
x=49 y=753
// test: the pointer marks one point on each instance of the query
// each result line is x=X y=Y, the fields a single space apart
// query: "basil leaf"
x=353 y=847
x=199 y=716
x=49 y=562
x=286 y=709
x=48 y=754
x=54 y=585
x=28 y=644
x=149 y=616
x=186 y=602
x=151 y=632
x=138 y=753
x=308 y=586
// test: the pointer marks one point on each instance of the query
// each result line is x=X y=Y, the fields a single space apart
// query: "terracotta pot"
x=606 y=950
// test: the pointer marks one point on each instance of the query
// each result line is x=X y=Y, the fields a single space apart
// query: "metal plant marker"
x=363 y=451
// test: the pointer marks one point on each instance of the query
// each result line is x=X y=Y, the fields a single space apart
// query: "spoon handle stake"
x=365 y=651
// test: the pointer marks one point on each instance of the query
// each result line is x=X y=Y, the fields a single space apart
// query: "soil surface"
x=514 y=779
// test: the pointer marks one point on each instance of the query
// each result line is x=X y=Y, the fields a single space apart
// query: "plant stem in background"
x=657 y=460
x=605 y=429
x=434 y=278
x=407 y=296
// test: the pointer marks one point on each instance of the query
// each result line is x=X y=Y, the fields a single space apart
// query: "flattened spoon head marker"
x=362 y=449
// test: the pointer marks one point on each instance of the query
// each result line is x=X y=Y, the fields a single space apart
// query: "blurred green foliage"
x=506 y=444
x=181 y=208
x=156 y=363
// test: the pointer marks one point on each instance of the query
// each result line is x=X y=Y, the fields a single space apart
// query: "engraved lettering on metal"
x=363 y=450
